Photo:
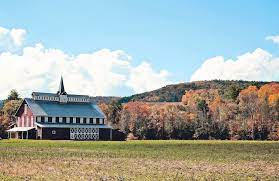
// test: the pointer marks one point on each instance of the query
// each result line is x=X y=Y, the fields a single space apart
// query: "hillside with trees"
x=174 y=93
x=104 y=99
x=211 y=110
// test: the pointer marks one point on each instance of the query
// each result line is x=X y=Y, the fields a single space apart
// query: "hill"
x=174 y=93
x=103 y=99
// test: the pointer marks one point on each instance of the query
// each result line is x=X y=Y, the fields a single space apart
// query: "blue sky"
x=174 y=35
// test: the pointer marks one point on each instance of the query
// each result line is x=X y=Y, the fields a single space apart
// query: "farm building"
x=60 y=116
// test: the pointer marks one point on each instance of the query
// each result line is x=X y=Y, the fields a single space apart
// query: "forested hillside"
x=104 y=99
x=174 y=93
x=207 y=110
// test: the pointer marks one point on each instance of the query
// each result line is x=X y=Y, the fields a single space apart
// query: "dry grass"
x=138 y=160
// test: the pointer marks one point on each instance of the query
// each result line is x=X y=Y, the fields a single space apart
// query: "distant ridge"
x=1 y=103
x=104 y=99
x=174 y=93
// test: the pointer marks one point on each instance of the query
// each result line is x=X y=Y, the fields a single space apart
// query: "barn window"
x=84 y=120
x=64 y=120
x=78 y=120
x=53 y=131
x=71 y=120
x=43 y=119
x=91 y=120
x=38 y=119
x=49 y=119
x=98 y=121
x=57 y=119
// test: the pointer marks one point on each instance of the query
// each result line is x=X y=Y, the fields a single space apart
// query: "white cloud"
x=143 y=77
x=275 y=39
x=102 y=72
x=258 y=65
x=11 y=40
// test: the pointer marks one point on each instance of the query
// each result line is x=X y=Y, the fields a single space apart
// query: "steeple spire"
x=61 y=90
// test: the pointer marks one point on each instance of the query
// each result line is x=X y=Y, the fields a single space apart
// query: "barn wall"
x=25 y=117
x=60 y=133
x=104 y=134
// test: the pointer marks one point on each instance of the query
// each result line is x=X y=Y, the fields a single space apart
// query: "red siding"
x=25 y=119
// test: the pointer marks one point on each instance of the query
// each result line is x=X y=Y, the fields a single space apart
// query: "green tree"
x=231 y=93
x=203 y=124
x=13 y=95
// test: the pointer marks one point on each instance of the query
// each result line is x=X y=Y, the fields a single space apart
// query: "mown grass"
x=139 y=160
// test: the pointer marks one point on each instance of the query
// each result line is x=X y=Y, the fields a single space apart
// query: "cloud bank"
x=108 y=72
x=103 y=72
x=258 y=65
x=11 y=40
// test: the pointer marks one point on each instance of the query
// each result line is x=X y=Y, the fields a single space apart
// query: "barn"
x=60 y=116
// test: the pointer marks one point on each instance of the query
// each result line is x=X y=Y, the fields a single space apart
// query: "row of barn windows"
x=57 y=99
x=48 y=98
x=71 y=120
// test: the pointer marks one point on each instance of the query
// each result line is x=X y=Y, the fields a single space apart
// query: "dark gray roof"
x=55 y=109
x=43 y=94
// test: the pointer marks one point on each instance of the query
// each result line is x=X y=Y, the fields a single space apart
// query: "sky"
x=119 y=48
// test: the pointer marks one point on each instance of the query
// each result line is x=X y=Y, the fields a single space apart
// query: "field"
x=139 y=160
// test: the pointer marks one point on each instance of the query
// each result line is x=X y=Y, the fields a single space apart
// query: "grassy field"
x=139 y=160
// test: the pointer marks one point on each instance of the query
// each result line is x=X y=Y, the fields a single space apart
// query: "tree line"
x=250 y=113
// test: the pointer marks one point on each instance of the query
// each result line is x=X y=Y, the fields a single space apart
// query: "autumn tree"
x=10 y=107
x=250 y=108
x=112 y=112
x=269 y=106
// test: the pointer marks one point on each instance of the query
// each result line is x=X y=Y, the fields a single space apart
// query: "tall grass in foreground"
x=137 y=160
